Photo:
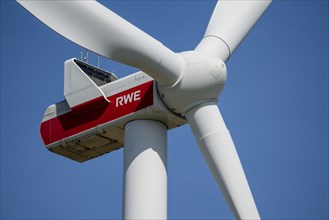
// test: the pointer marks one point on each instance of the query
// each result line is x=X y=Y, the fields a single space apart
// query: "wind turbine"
x=138 y=110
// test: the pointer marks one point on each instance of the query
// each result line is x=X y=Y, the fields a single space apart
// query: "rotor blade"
x=218 y=149
x=95 y=27
x=229 y=24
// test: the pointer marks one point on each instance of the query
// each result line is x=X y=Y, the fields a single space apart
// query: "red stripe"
x=94 y=103
x=72 y=123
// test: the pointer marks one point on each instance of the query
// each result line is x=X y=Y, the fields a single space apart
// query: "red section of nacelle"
x=121 y=104
x=94 y=103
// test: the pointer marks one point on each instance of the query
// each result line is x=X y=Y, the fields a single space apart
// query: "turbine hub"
x=203 y=80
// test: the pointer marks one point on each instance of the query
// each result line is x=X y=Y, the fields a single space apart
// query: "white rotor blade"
x=95 y=27
x=218 y=149
x=229 y=24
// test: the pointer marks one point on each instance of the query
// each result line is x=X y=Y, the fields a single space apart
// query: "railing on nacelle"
x=99 y=76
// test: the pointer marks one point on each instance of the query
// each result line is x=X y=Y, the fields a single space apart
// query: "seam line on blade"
x=178 y=78
x=221 y=39
x=214 y=132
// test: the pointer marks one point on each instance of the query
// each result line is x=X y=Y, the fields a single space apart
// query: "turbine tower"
x=101 y=113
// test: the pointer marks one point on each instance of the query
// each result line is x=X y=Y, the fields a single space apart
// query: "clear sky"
x=275 y=104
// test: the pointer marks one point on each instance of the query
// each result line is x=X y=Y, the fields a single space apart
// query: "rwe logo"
x=128 y=98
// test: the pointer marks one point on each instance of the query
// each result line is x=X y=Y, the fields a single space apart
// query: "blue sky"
x=275 y=104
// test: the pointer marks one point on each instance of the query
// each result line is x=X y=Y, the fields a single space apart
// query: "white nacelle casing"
x=90 y=122
x=80 y=88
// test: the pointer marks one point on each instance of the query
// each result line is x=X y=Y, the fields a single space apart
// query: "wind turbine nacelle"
x=90 y=121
